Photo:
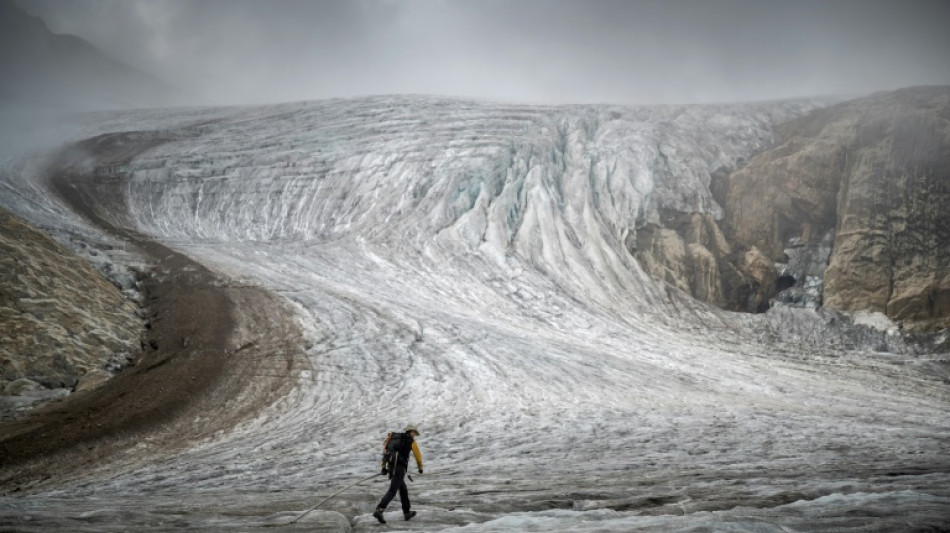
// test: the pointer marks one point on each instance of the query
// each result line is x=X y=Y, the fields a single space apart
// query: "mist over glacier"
x=466 y=266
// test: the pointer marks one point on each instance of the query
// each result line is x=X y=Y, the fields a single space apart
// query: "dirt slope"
x=214 y=355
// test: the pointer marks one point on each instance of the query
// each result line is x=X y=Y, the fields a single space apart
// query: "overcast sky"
x=535 y=51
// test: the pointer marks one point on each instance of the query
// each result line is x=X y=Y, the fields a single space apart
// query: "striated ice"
x=463 y=265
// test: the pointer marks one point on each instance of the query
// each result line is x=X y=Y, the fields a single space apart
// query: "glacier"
x=465 y=266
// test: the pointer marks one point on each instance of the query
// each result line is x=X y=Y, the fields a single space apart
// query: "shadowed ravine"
x=466 y=267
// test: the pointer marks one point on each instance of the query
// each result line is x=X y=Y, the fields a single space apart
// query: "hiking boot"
x=408 y=516
x=378 y=515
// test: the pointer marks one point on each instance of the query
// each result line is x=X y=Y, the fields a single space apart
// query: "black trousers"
x=397 y=484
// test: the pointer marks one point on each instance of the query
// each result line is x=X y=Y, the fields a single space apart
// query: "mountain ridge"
x=43 y=68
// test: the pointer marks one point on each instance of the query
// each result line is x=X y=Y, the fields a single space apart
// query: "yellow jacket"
x=416 y=454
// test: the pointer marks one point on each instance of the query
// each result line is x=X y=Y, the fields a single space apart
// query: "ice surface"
x=462 y=266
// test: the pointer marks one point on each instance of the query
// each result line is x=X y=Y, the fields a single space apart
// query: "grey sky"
x=537 y=51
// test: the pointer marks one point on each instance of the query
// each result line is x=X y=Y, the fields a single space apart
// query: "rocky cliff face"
x=64 y=326
x=847 y=210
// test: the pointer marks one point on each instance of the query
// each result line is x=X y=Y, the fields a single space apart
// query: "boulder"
x=92 y=379
x=17 y=387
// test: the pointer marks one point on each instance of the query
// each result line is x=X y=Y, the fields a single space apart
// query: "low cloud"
x=531 y=50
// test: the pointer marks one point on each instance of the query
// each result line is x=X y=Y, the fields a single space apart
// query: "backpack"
x=396 y=451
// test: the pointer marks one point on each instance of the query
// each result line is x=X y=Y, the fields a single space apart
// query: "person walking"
x=396 y=451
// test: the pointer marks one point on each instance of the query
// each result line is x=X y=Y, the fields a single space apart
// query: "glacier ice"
x=462 y=265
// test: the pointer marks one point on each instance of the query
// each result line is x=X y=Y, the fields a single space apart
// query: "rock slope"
x=847 y=209
x=64 y=325
x=863 y=188
x=210 y=349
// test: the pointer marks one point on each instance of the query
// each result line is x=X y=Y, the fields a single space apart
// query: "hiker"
x=396 y=464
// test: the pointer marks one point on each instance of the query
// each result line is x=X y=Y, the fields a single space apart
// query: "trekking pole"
x=305 y=513
x=439 y=474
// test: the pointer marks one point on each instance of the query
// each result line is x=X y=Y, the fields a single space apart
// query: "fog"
x=532 y=51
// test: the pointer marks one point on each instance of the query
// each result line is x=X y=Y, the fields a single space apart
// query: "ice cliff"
x=594 y=192
x=562 y=190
